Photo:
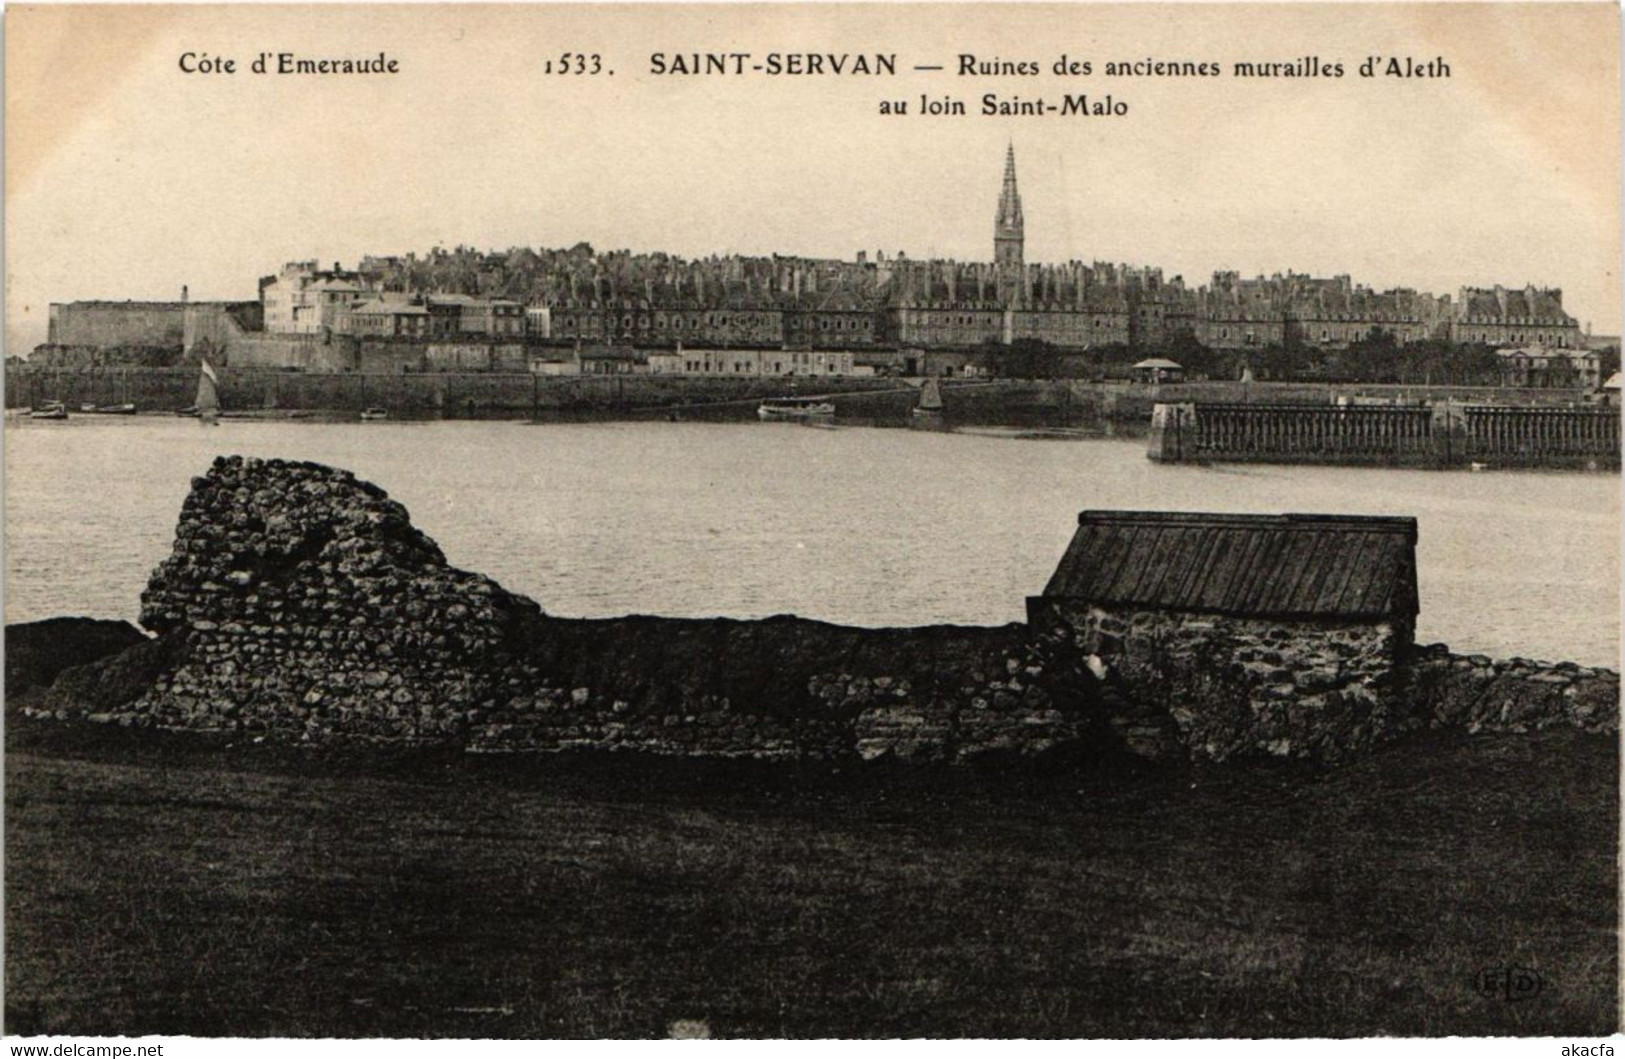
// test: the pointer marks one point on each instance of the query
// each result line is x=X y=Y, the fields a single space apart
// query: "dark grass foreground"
x=171 y=885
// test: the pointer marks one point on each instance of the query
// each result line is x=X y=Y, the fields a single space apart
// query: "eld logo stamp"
x=1509 y=983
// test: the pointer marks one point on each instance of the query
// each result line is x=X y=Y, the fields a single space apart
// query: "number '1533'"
x=573 y=62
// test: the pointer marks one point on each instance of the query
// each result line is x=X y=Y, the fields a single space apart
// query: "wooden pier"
x=1439 y=435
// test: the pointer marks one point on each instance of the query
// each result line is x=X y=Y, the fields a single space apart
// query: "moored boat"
x=208 y=394
x=50 y=410
x=795 y=408
x=374 y=413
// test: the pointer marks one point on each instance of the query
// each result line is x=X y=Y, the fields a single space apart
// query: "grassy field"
x=175 y=886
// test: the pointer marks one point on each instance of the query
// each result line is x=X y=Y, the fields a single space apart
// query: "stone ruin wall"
x=1217 y=686
x=300 y=605
x=784 y=688
x=303 y=606
x=1482 y=694
x=306 y=604
x=1213 y=687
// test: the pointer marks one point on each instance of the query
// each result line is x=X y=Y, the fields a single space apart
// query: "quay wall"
x=1233 y=392
x=300 y=605
x=402 y=384
x=1449 y=434
x=427 y=394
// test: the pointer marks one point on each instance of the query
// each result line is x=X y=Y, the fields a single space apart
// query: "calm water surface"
x=863 y=526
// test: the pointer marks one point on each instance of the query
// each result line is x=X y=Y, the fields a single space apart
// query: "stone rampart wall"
x=300 y=352
x=118 y=324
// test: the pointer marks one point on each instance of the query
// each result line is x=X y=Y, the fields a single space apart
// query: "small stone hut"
x=1282 y=633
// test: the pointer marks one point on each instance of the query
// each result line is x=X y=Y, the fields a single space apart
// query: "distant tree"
x=1279 y=362
x=1186 y=350
x=1376 y=357
x=1561 y=372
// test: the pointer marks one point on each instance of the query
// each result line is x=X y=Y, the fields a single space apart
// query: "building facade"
x=303 y=299
x=1542 y=367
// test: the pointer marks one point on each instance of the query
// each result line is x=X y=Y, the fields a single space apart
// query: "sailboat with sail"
x=930 y=403
x=208 y=395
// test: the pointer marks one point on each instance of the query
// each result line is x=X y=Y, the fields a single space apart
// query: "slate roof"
x=1279 y=566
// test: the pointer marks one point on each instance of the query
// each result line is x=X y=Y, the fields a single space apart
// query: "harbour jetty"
x=300 y=605
x=1443 y=434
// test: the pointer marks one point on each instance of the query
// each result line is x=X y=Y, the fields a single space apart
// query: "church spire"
x=1009 y=234
x=1010 y=198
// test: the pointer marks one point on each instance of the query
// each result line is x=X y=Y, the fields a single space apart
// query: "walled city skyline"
x=858 y=303
x=127 y=179
x=1004 y=260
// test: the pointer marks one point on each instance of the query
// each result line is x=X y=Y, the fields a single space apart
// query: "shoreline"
x=1039 y=409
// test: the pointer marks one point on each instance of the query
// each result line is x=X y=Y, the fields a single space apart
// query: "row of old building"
x=942 y=304
x=659 y=301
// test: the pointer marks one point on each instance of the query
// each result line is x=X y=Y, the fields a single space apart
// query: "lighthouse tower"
x=1009 y=233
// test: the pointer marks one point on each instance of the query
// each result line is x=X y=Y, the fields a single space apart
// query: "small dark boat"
x=795 y=408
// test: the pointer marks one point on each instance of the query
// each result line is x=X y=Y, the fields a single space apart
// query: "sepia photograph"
x=801 y=521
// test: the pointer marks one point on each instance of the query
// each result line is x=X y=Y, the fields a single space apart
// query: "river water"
x=856 y=525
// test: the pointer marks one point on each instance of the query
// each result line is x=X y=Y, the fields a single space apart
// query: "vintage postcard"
x=812 y=521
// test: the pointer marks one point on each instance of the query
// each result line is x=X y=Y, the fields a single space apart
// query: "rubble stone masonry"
x=1220 y=686
x=300 y=605
x=307 y=607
